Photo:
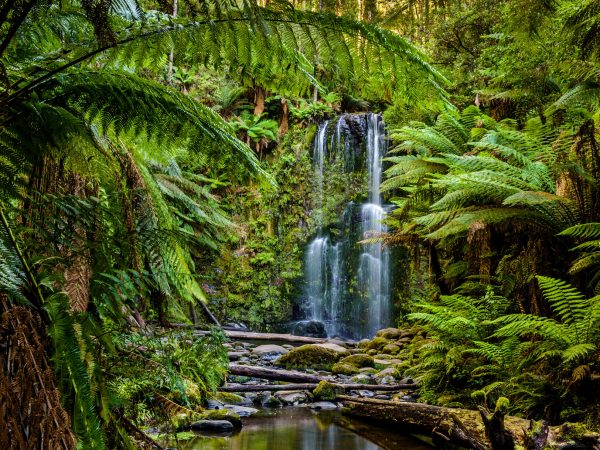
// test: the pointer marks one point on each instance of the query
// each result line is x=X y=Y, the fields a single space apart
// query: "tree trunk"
x=250 y=335
x=285 y=113
x=272 y=374
x=259 y=100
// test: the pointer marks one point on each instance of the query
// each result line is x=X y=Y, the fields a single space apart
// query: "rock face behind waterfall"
x=348 y=284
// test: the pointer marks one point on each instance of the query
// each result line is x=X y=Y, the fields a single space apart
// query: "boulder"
x=391 y=349
x=333 y=346
x=314 y=356
x=228 y=398
x=309 y=328
x=224 y=414
x=389 y=372
x=271 y=402
x=212 y=426
x=343 y=368
x=385 y=363
x=389 y=333
x=323 y=406
x=358 y=360
x=269 y=350
x=362 y=378
x=377 y=343
x=292 y=397
x=242 y=411
x=327 y=391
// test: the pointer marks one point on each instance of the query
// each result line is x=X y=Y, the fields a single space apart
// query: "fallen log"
x=272 y=374
x=455 y=426
x=253 y=336
x=312 y=386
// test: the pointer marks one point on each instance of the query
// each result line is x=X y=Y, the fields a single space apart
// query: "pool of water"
x=303 y=429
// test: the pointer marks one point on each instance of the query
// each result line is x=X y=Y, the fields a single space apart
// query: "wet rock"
x=269 y=350
x=358 y=360
x=323 y=406
x=391 y=349
x=213 y=404
x=344 y=368
x=235 y=356
x=338 y=342
x=387 y=380
x=408 y=398
x=389 y=333
x=335 y=347
x=242 y=411
x=310 y=328
x=367 y=394
x=376 y=343
x=407 y=380
x=327 y=391
x=271 y=402
x=362 y=378
x=224 y=414
x=229 y=398
x=389 y=372
x=292 y=397
x=213 y=426
x=385 y=363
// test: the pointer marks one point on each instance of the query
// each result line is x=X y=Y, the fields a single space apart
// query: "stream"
x=299 y=428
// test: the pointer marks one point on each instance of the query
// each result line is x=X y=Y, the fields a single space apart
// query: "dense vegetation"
x=155 y=157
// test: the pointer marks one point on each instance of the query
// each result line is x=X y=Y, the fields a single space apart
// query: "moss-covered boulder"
x=223 y=414
x=358 y=360
x=229 y=398
x=391 y=349
x=389 y=333
x=310 y=356
x=376 y=343
x=327 y=391
x=342 y=368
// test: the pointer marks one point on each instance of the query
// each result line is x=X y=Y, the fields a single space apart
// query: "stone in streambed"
x=327 y=391
x=269 y=350
x=323 y=406
x=292 y=397
x=310 y=356
x=362 y=378
x=376 y=343
x=229 y=398
x=390 y=372
x=391 y=349
x=242 y=411
x=212 y=426
x=385 y=363
x=390 y=333
x=358 y=360
x=342 y=368
x=224 y=414
x=333 y=346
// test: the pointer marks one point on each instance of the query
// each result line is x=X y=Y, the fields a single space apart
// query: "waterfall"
x=348 y=283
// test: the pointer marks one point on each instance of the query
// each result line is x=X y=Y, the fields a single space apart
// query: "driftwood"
x=312 y=386
x=462 y=427
x=272 y=374
x=445 y=425
x=252 y=336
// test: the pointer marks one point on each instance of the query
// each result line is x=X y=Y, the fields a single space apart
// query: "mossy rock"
x=344 y=368
x=223 y=414
x=389 y=333
x=310 y=356
x=327 y=391
x=358 y=360
x=391 y=349
x=376 y=343
x=228 y=398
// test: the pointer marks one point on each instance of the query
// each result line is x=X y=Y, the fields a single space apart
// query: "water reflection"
x=295 y=429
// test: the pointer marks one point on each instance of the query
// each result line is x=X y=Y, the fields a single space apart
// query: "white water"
x=349 y=292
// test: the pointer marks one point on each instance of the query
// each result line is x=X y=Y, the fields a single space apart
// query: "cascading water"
x=348 y=283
